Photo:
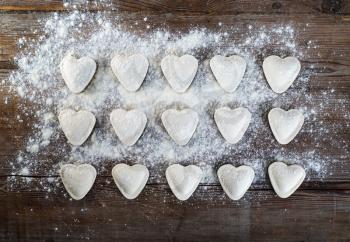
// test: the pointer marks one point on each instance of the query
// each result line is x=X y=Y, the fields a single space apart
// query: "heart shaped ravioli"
x=180 y=124
x=232 y=124
x=285 y=125
x=235 y=181
x=285 y=179
x=77 y=126
x=128 y=125
x=281 y=73
x=228 y=71
x=179 y=71
x=183 y=180
x=130 y=70
x=78 y=179
x=130 y=180
x=77 y=73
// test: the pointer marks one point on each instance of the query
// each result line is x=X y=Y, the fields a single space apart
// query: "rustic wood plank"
x=31 y=5
x=191 y=7
x=156 y=215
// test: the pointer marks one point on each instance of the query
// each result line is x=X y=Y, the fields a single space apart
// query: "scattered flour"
x=38 y=80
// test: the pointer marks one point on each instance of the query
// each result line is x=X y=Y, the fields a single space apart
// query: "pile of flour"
x=100 y=36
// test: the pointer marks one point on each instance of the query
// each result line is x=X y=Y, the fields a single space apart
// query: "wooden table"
x=318 y=211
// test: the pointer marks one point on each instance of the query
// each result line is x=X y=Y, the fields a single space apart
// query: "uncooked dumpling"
x=235 y=181
x=228 y=71
x=232 y=123
x=130 y=179
x=130 y=70
x=281 y=73
x=285 y=125
x=128 y=125
x=179 y=71
x=285 y=179
x=180 y=124
x=77 y=179
x=183 y=180
x=77 y=126
x=77 y=73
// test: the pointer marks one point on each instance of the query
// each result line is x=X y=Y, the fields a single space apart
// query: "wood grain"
x=157 y=216
x=189 y=7
x=318 y=211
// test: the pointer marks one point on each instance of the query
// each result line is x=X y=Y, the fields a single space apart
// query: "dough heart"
x=183 y=180
x=130 y=70
x=77 y=73
x=285 y=179
x=232 y=124
x=130 y=180
x=128 y=125
x=179 y=71
x=285 y=125
x=281 y=73
x=77 y=126
x=228 y=71
x=180 y=124
x=235 y=181
x=78 y=179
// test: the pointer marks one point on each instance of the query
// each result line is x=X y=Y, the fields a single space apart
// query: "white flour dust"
x=38 y=80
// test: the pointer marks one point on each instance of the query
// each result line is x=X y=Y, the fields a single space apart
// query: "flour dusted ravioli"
x=235 y=181
x=179 y=71
x=285 y=125
x=281 y=73
x=128 y=125
x=232 y=124
x=130 y=70
x=183 y=180
x=77 y=73
x=77 y=179
x=285 y=179
x=130 y=180
x=228 y=71
x=77 y=126
x=180 y=124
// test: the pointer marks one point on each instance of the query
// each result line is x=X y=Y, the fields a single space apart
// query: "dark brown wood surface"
x=318 y=211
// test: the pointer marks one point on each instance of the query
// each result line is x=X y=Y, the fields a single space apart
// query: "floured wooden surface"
x=39 y=81
x=325 y=64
